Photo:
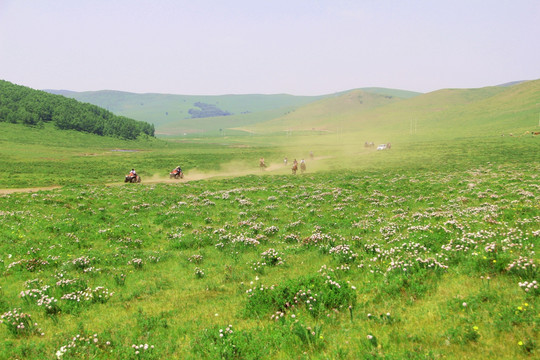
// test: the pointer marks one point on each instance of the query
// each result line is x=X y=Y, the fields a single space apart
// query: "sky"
x=298 y=47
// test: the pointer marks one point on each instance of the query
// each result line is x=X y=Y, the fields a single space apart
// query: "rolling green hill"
x=441 y=114
x=327 y=114
x=163 y=109
x=172 y=114
x=370 y=112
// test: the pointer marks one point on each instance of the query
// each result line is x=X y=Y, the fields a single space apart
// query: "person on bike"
x=132 y=173
x=178 y=170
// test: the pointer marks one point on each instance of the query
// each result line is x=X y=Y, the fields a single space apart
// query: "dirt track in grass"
x=229 y=171
x=21 y=190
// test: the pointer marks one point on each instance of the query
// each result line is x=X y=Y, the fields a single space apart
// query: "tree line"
x=206 y=110
x=23 y=105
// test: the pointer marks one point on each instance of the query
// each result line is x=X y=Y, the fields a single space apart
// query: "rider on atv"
x=177 y=173
x=132 y=177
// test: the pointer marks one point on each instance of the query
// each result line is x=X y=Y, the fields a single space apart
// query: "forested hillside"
x=20 y=104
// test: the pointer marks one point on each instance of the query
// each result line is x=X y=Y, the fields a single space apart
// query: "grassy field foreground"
x=344 y=265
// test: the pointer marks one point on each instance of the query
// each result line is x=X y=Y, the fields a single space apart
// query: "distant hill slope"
x=328 y=113
x=397 y=93
x=453 y=113
x=444 y=113
x=174 y=114
x=20 y=104
x=161 y=109
x=512 y=83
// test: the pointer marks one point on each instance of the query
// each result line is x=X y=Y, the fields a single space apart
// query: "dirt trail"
x=34 y=189
x=226 y=173
x=229 y=171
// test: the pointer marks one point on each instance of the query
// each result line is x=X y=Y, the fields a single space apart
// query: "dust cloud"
x=345 y=151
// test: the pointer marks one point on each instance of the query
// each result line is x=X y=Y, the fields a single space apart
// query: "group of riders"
x=133 y=177
x=177 y=173
x=294 y=167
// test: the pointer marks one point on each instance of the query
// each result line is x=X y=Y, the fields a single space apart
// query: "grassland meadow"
x=330 y=265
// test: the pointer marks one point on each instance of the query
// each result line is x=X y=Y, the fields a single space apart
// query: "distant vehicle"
x=381 y=147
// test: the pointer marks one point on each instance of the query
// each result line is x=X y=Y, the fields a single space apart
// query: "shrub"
x=315 y=293
x=19 y=323
x=226 y=343
x=272 y=257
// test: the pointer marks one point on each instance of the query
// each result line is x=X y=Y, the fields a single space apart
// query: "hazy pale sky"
x=299 y=47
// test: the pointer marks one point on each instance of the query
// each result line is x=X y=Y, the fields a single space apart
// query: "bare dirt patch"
x=22 y=190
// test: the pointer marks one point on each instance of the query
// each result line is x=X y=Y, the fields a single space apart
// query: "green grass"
x=74 y=158
x=43 y=157
x=421 y=251
x=449 y=229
